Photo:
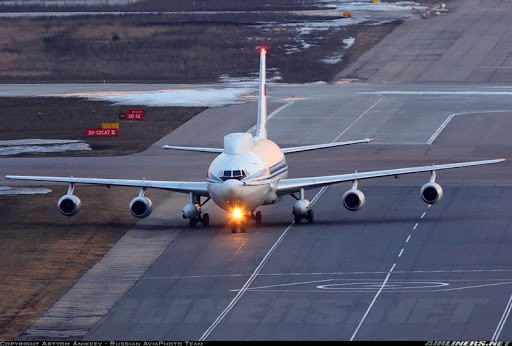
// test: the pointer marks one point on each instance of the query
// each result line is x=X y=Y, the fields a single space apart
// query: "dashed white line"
x=401 y=252
x=429 y=205
x=373 y=302
x=503 y=320
x=416 y=225
x=423 y=215
x=409 y=237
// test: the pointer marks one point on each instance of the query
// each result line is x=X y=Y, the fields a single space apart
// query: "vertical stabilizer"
x=261 y=128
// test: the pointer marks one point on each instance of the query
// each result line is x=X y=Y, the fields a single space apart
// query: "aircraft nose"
x=232 y=187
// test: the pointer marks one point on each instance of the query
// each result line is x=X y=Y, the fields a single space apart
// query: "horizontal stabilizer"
x=197 y=149
x=322 y=146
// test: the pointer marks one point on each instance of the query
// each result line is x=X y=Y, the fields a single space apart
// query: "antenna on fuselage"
x=261 y=125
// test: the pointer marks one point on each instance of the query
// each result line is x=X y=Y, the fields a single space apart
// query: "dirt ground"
x=43 y=253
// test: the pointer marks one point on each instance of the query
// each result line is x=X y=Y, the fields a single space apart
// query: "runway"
x=395 y=270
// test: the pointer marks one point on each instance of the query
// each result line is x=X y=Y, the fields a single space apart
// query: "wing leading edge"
x=287 y=186
x=197 y=188
x=323 y=146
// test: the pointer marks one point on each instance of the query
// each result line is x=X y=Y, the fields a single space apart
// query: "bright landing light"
x=237 y=214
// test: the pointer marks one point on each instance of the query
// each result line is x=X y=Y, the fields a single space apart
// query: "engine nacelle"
x=431 y=193
x=353 y=199
x=69 y=205
x=141 y=207
x=301 y=207
x=191 y=211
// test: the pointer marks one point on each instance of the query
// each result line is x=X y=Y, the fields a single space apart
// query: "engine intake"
x=353 y=199
x=69 y=205
x=141 y=207
x=431 y=193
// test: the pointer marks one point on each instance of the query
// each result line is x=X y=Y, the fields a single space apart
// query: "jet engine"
x=431 y=192
x=141 y=207
x=353 y=199
x=191 y=211
x=301 y=207
x=69 y=205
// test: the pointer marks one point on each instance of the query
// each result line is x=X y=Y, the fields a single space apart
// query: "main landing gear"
x=192 y=211
x=302 y=209
x=309 y=217
x=204 y=219
x=239 y=220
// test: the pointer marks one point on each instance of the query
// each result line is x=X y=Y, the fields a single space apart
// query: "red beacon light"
x=263 y=50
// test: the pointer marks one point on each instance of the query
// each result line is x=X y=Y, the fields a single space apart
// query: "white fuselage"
x=245 y=175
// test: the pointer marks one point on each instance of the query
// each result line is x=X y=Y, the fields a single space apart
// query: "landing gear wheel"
x=296 y=218
x=258 y=218
x=206 y=220
x=310 y=216
x=233 y=228
x=242 y=227
x=192 y=222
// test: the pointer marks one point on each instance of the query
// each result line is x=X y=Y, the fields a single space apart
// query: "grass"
x=173 y=48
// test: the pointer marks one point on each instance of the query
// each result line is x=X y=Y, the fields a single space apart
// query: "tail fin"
x=261 y=126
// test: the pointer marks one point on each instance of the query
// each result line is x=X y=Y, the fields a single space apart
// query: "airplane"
x=249 y=172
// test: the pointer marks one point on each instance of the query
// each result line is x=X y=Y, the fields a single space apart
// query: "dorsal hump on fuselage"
x=238 y=143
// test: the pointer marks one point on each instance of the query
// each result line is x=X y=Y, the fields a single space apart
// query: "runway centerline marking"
x=416 y=225
x=407 y=240
x=401 y=252
x=373 y=302
x=503 y=320
x=423 y=215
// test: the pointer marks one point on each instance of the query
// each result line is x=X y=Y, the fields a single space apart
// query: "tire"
x=242 y=227
x=192 y=222
x=259 y=218
x=296 y=218
x=206 y=220
x=233 y=227
x=311 y=216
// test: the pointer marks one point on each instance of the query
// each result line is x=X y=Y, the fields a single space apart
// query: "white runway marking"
x=373 y=302
x=423 y=215
x=273 y=114
x=409 y=237
x=416 y=225
x=435 y=92
x=359 y=117
x=440 y=271
x=401 y=252
x=450 y=117
x=503 y=320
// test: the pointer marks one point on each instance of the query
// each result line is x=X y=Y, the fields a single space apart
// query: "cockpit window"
x=236 y=174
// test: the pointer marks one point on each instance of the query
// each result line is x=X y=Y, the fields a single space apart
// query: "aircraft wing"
x=198 y=188
x=322 y=146
x=287 y=186
x=197 y=149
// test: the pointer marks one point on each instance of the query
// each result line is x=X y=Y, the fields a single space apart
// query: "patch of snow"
x=348 y=42
x=11 y=191
x=184 y=98
x=38 y=141
x=332 y=60
x=23 y=149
